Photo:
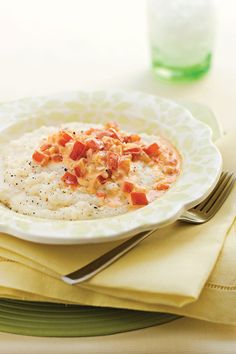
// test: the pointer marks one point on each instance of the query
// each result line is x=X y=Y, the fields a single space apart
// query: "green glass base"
x=181 y=74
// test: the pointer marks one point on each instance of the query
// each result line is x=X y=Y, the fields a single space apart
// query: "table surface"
x=51 y=46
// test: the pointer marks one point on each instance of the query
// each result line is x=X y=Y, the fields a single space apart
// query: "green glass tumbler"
x=181 y=38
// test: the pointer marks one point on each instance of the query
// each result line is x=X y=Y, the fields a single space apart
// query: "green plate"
x=57 y=320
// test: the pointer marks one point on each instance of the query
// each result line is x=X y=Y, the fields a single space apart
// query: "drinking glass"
x=181 y=37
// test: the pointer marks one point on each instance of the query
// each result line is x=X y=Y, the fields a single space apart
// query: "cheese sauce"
x=82 y=171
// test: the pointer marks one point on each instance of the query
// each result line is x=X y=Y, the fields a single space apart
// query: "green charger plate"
x=46 y=319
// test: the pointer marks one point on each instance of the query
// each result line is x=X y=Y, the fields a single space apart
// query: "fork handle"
x=94 y=267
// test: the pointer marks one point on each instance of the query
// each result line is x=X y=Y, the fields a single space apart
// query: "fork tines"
x=219 y=193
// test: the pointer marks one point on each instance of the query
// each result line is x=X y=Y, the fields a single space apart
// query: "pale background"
x=55 y=45
x=49 y=46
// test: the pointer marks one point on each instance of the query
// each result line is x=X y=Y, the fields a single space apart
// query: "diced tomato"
x=124 y=164
x=127 y=187
x=45 y=147
x=69 y=179
x=152 y=150
x=138 y=198
x=162 y=187
x=78 y=150
x=78 y=172
x=64 y=138
x=40 y=158
x=101 y=179
x=94 y=144
x=112 y=160
x=131 y=138
x=101 y=194
x=135 y=157
x=57 y=158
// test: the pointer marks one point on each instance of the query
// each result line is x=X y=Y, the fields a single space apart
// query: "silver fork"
x=197 y=215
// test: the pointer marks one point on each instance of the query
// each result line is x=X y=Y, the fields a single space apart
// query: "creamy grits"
x=83 y=171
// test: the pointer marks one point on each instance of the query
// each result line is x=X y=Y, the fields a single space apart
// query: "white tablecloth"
x=56 y=45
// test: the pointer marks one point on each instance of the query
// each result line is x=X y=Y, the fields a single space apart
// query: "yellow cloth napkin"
x=167 y=272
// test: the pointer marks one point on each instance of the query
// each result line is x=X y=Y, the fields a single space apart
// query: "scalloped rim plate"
x=134 y=111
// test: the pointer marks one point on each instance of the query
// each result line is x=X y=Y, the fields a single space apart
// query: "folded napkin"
x=171 y=271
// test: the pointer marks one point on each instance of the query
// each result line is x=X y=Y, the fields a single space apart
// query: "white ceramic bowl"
x=134 y=111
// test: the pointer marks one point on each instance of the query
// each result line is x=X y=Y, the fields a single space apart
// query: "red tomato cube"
x=162 y=187
x=78 y=172
x=112 y=160
x=40 y=158
x=69 y=179
x=152 y=150
x=127 y=187
x=64 y=138
x=78 y=150
x=138 y=198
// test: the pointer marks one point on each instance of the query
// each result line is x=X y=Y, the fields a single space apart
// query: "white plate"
x=134 y=111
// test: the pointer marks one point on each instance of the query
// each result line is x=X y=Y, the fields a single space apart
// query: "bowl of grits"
x=96 y=167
